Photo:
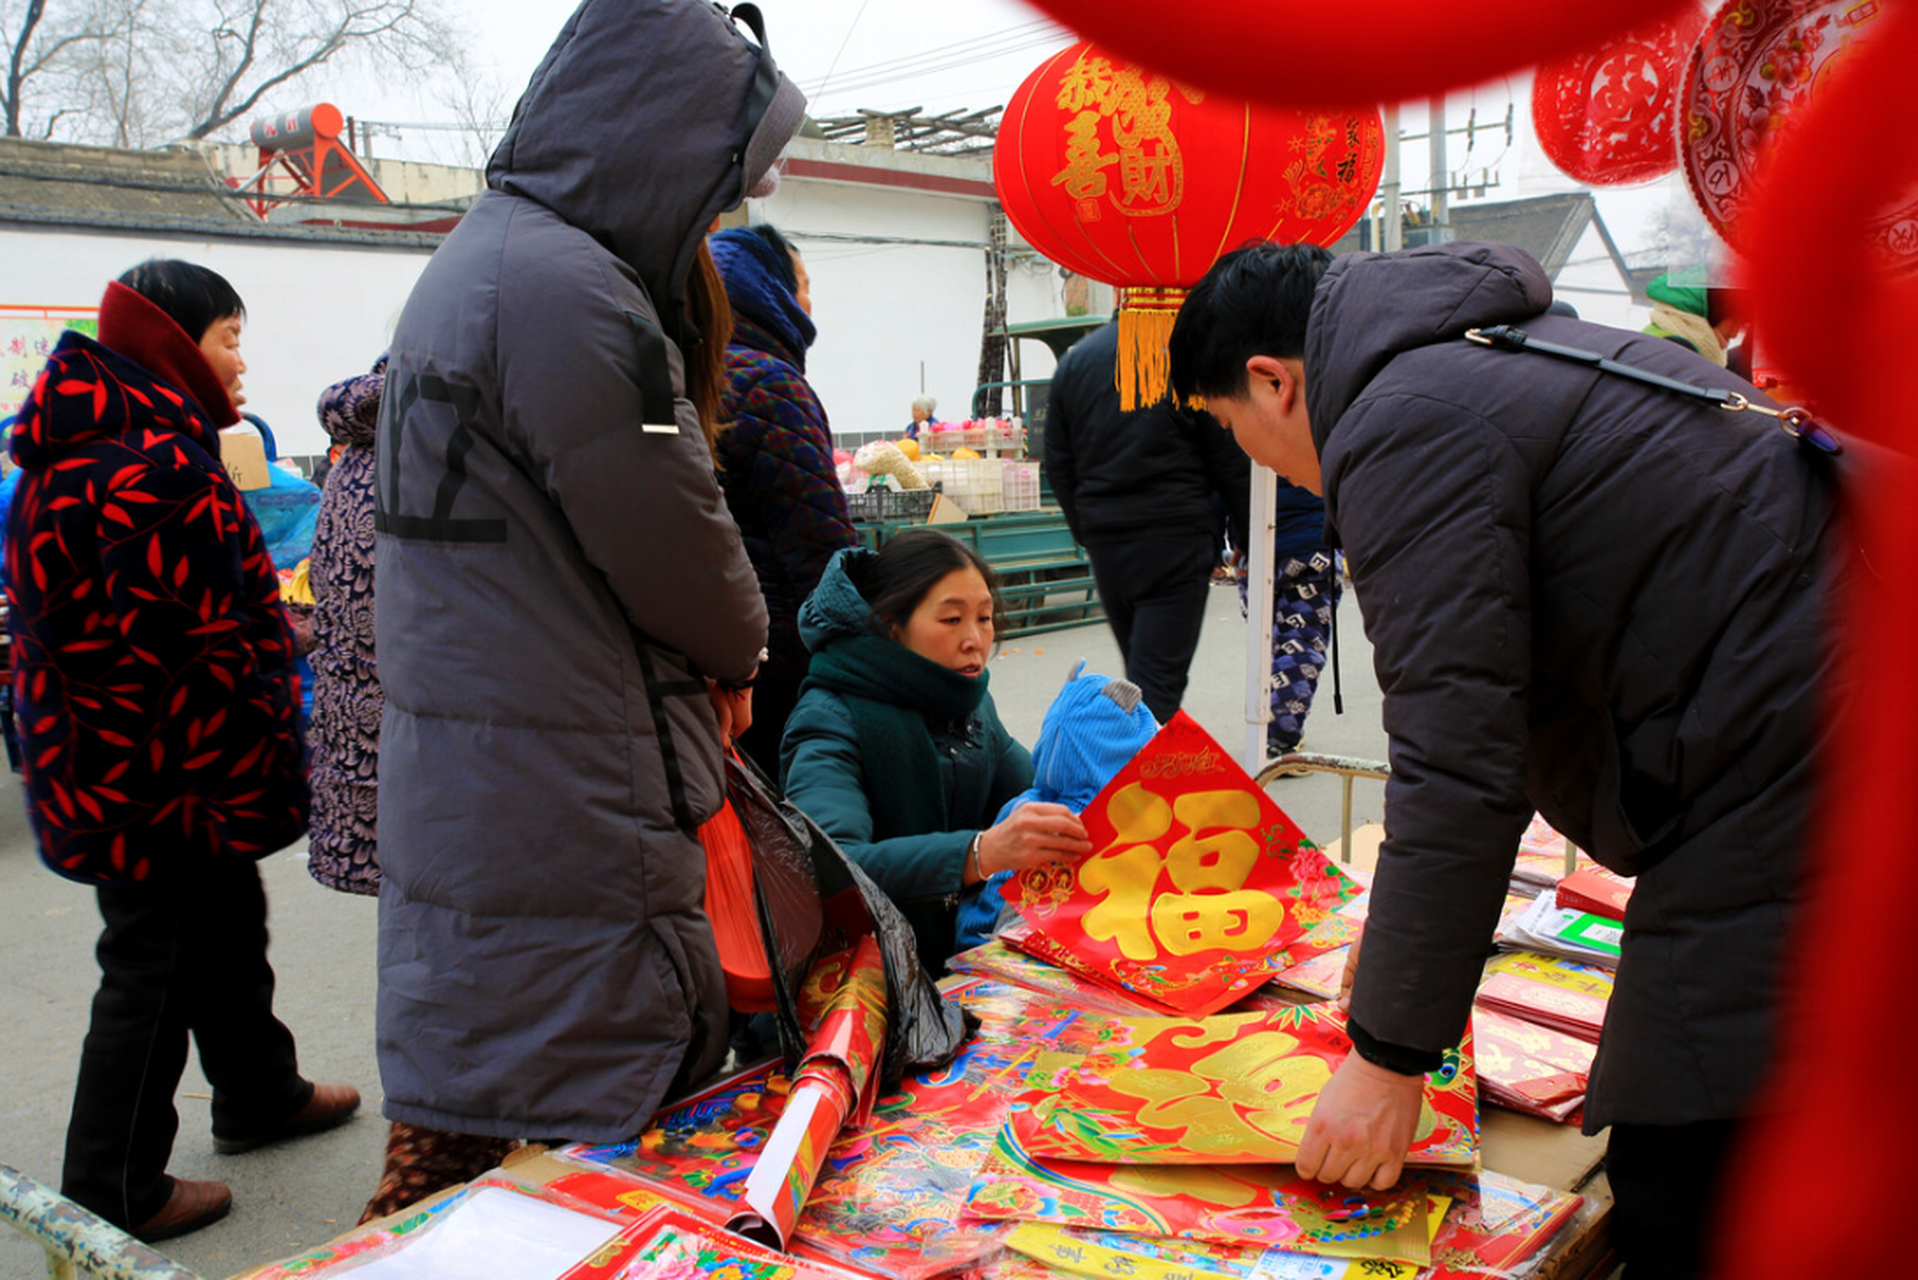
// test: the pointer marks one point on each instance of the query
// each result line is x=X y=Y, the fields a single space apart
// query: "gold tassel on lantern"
x=1146 y=317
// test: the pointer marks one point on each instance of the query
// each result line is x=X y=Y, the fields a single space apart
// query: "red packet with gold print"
x=1196 y=885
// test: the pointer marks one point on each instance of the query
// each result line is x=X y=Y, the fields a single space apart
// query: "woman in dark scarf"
x=774 y=455
x=895 y=748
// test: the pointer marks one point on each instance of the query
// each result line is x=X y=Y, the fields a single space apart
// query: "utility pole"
x=1441 y=178
x=1392 y=232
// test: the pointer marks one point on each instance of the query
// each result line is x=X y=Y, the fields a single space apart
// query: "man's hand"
x=1362 y=1126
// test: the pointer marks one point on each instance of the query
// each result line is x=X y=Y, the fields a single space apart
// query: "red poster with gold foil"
x=1196 y=884
x=1232 y=1089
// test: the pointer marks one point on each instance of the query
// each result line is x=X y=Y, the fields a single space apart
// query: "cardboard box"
x=244 y=454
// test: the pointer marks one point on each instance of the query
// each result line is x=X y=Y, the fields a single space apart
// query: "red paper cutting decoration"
x=1840 y=320
x=1387 y=51
x=1121 y=174
x=1756 y=69
x=1606 y=115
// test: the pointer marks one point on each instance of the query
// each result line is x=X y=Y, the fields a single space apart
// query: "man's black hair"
x=788 y=274
x=1253 y=302
x=194 y=296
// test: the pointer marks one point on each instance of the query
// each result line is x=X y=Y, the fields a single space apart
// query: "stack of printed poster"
x=1542 y=1002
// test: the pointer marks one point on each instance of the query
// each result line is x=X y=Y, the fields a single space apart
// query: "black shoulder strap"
x=1797 y=423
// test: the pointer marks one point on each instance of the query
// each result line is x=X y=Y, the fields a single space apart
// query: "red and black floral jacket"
x=154 y=690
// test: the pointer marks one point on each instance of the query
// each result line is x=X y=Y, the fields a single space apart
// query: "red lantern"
x=1386 y=51
x=1606 y=115
x=1123 y=175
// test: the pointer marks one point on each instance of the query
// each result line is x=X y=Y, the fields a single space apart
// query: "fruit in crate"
x=963 y=454
x=910 y=448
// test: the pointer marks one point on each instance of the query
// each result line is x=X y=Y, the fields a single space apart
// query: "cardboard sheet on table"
x=1197 y=882
x=1259 y=1205
x=887 y=1196
x=1230 y=1089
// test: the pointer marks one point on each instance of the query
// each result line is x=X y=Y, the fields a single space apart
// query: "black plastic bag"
x=814 y=901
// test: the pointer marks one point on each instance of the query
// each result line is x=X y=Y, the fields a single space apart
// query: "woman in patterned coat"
x=345 y=733
x=343 y=852
x=775 y=461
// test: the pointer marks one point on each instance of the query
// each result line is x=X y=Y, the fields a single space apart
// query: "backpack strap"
x=1797 y=422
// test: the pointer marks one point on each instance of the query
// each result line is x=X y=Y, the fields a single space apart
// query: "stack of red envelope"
x=1575 y=1013
x=1532 y=1069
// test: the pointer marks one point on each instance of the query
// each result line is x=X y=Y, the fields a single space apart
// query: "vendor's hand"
x=732 y=707
x=1361 y=1126
x=1035 y=834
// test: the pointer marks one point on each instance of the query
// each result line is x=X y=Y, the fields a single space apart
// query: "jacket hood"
x=350 y=410
x=646 y=120
x=1091 y=731
x=1371 y=307
x=836 y=610
x=758 y=295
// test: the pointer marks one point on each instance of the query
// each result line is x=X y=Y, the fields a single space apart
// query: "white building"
x=896 y=243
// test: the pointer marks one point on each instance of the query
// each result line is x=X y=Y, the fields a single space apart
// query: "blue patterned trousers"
x=1305 y=591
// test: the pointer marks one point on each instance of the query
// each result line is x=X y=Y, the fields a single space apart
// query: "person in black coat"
x=1136 y=489
x=1587 y=596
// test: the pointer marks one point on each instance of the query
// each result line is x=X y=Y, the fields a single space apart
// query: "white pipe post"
x=1260 y=531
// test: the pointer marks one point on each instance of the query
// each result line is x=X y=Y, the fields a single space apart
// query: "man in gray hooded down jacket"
x=558 y=580
x=1598 y=598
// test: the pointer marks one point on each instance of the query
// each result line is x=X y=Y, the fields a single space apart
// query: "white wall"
x=315 y=314
x=900 y=320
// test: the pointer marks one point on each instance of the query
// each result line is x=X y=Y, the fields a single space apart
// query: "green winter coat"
x=853 y=762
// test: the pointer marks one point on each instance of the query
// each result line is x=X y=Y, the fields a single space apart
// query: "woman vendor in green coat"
x=894 y=748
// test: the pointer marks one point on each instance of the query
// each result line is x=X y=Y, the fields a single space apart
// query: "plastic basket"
x=1021 y=486
x=976 y=484
x=882 y=502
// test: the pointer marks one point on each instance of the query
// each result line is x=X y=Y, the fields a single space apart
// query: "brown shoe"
x=330 y=1106
x=190 y=1206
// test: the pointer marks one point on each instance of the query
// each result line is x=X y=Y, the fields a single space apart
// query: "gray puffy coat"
x=1595 y=598
x=557 y=573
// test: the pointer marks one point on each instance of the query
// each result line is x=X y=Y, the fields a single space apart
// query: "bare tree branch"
x=136 y=72
x=42 y=48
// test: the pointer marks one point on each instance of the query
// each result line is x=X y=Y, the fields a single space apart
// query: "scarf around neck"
x=892 y=693
x=132 y=325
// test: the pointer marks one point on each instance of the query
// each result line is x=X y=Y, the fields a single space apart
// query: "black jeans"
x=1154 y=591
x=1665 y=1184
x=184 y=957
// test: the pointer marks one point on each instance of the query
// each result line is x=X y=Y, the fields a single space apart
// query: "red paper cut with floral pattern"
x=887 y=1196
x=1196 y=885
x=1232 y=1089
